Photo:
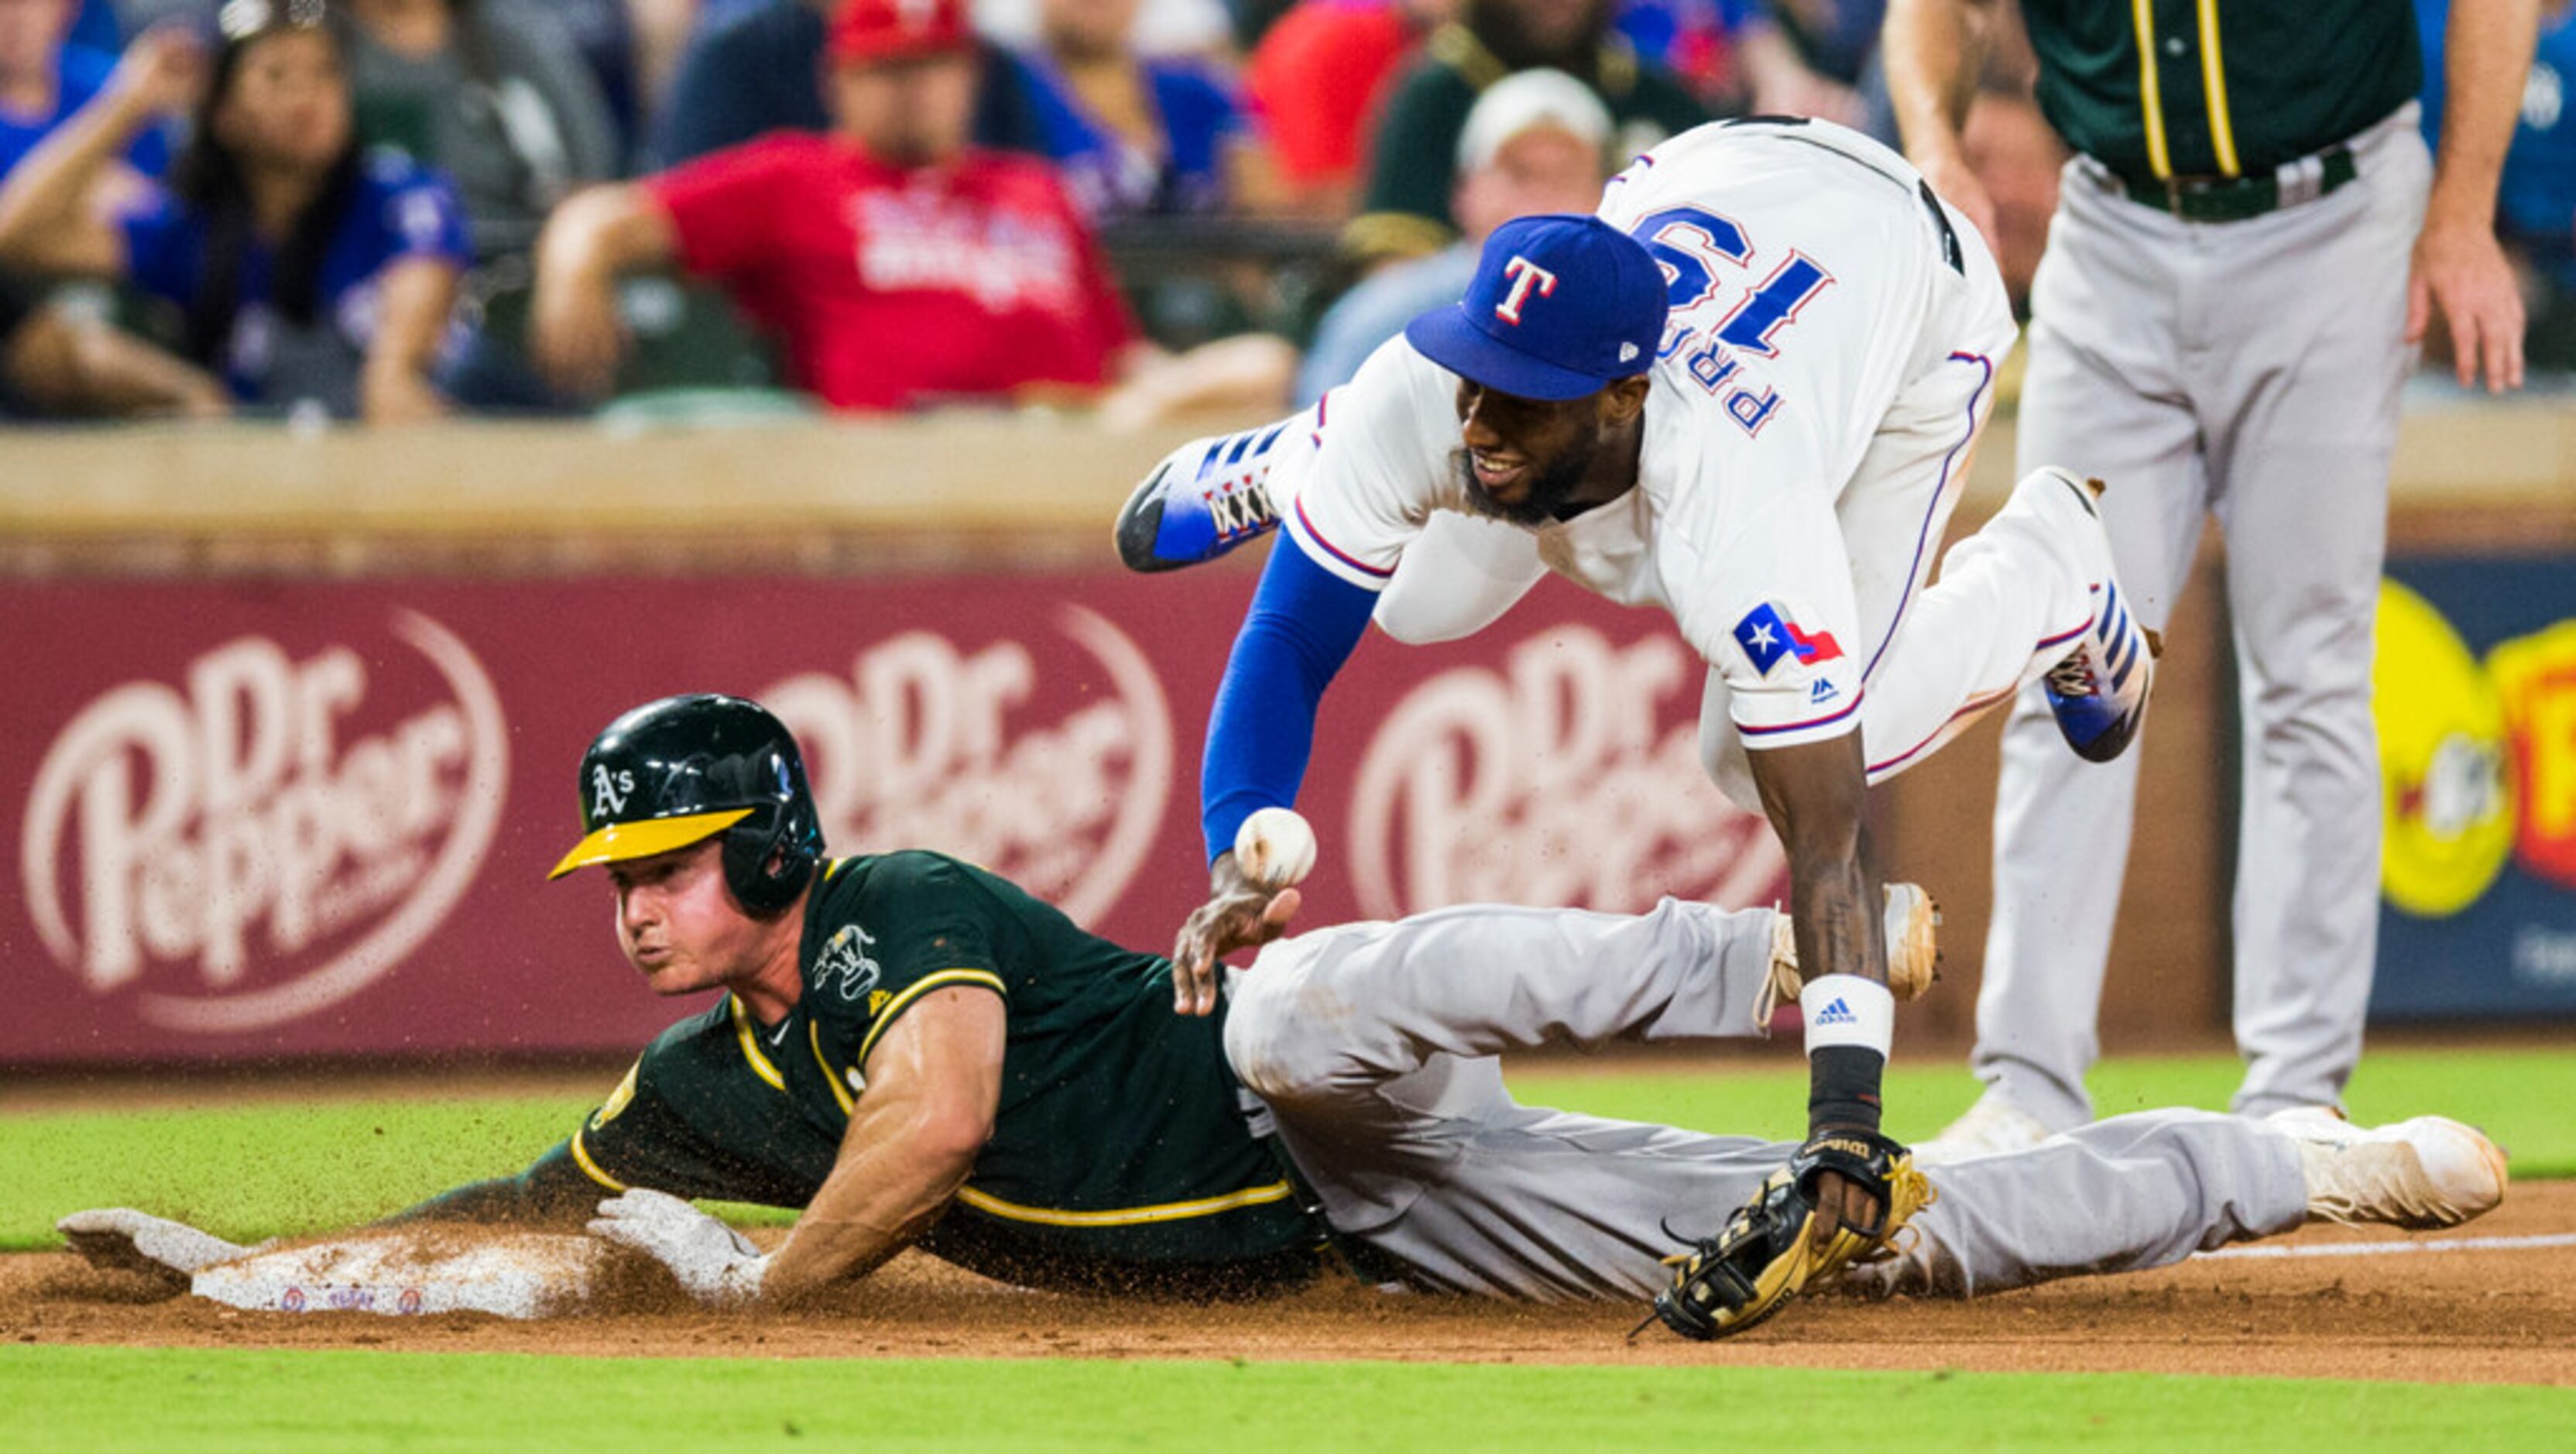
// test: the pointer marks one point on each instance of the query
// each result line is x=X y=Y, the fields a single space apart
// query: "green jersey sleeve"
x=895 y=930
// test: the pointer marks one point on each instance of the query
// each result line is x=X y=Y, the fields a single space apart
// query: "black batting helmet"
x=684 y=769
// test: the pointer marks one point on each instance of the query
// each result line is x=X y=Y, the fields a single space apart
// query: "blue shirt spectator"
x=1110 y=174
x=301 y=269
x=395 y=210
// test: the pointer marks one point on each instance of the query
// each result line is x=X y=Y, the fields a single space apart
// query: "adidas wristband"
x=1845 y=1009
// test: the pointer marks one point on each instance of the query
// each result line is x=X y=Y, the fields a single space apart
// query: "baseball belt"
x=2233 y=199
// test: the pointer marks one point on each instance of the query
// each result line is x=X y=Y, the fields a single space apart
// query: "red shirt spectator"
x=898 y=264
x=1314 y=81
x=889 y=285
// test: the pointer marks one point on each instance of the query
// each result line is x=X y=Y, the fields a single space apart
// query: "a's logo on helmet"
x=608 y=790
x=290 y=828
x=1054 y=778
x=1571 y=776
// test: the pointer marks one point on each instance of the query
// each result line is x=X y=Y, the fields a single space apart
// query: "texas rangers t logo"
x=1525 y=276
x=1767 y=633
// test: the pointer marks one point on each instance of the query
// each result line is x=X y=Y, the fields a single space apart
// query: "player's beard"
x=1549 y=489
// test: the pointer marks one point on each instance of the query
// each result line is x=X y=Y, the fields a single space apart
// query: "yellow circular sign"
x=2446 y=799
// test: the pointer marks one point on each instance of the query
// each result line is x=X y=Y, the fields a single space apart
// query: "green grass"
x=77 y=1398
x=265 y=1169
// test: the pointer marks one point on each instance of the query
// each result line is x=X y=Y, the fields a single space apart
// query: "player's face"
x=1522 y=459
x=679 y=923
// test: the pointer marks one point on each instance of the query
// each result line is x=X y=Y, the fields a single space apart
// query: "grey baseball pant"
x=2248 y=369
x=1372 y=1045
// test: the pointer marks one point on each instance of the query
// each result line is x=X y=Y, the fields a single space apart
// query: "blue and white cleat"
x=2099 y=692
x=1203 y=500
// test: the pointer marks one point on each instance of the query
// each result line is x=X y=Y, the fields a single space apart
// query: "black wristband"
x=1842 y=1087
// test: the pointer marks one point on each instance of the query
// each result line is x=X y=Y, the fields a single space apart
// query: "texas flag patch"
x=1768 y=632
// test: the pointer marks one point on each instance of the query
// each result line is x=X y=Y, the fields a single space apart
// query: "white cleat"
x=1912 y=923
x=2425 y=1173
x=1992 y=1126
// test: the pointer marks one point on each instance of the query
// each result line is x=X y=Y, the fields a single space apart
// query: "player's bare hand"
x=1842 y=1202
x=161 y=73
x=1239 y=914
x=2459 y=269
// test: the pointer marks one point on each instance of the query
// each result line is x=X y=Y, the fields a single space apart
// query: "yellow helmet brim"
x=618 y=842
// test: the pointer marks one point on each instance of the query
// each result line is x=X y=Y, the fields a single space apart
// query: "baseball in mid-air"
x=1274 y=848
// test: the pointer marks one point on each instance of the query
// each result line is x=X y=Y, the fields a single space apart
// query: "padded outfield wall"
x=294 y=723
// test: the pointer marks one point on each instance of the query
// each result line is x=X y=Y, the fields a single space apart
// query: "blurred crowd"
x=390 y=210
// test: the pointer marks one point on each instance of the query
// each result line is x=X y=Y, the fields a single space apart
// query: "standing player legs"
x=2103 y=395
x=2120 y=1195
x=1372 y=1046
x=2303 y=460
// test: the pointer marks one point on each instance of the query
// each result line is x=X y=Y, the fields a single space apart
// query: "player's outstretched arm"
x=1303 y=624
x=934 y=1084
x=121 y=1239
x=1815 y=794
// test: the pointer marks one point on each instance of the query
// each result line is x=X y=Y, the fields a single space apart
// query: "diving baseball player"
x=1747 y=393
x=2221 y=324
x=915 y=1052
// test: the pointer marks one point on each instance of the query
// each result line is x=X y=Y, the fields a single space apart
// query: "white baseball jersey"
x=1813 y=278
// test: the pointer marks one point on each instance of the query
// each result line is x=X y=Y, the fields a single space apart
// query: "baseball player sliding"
x=1747 y=393
x=915 y=1052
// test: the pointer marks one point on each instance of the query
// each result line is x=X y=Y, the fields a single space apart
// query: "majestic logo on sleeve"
x=1526 y=277
x=1768 y=633
x=291 y=827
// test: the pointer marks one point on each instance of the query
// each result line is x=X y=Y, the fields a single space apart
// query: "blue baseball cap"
x=1562 y=305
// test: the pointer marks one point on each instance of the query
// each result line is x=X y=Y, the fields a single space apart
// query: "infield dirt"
x=2500 y=1315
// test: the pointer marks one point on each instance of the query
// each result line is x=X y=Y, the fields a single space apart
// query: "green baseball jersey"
x=2166 y=88
x=1119 y=1157
x=1406 y=213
